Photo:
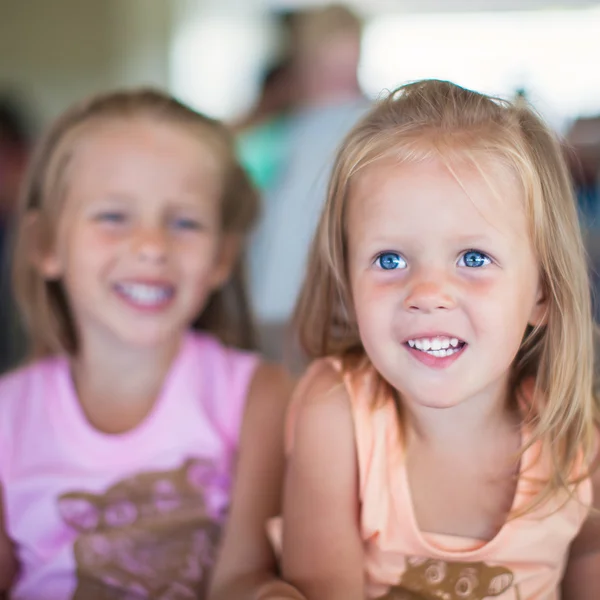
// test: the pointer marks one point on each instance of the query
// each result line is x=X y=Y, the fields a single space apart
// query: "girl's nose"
x=151 y=245
x=429 y=295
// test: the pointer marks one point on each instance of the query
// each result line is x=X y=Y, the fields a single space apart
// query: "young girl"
x=117 y=443
x=442 y=445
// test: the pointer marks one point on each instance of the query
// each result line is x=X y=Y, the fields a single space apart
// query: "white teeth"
x=147 y=295
x=423 y=344
x=442 y=353
x=438 y=346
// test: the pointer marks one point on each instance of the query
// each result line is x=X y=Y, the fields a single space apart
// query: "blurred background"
x=291 y=77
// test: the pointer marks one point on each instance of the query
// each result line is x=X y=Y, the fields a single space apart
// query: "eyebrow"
x=115 y=197
x=184 y=200
x=393 y=239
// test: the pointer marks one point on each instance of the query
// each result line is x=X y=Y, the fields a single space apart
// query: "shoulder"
x=350 y=388
x=26 y=396
x=28 y=378
x=211 y=347
x=351 y=384
x=269 y=378
x=323 y=462
x=267 y=401
x=221 y=376
x=226 y=367
x=270 y=382
x=321 y=405
x=323 y=385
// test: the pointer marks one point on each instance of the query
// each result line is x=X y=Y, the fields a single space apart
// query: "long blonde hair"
x=43 y=304
x=438 y=118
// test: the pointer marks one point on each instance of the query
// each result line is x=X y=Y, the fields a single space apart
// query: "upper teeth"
x=144 y=293
x=436 y=343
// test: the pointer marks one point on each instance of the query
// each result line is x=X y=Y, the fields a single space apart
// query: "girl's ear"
x=43 y=254
x=227 y=256
x=539 y=312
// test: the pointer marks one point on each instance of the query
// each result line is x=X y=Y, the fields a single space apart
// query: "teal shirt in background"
x=263 y=150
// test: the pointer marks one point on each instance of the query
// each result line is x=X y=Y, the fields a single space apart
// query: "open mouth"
x=144 y=294
x=438 y=346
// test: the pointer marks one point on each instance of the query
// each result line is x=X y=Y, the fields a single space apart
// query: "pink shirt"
x=524 y=561
x=140 y=511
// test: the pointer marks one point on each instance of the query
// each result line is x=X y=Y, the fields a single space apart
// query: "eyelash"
x=111 y=217
x=188 y=224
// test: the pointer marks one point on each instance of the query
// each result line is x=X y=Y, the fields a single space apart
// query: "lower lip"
x=435 y=362
x=154 y=307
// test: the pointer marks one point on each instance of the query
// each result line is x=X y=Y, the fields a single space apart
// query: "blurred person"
x=15 y=140
x=444 y=442
x=263 y=135
x=119 y=440
x=276 y=96
x=325 y=51
x=325 y=47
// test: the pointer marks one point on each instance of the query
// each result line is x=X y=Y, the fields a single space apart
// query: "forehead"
x=434 y=196
x=162 y=137
x=141 y=150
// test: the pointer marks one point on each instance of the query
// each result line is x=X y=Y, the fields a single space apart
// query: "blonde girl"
x=441 y=444
x=118 y=441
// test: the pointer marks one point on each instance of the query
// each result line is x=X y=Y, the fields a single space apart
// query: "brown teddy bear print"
x=152 y=535
x=429 y=579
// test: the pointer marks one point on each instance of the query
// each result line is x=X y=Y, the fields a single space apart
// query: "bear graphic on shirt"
x=152 y=535
x=430 y=579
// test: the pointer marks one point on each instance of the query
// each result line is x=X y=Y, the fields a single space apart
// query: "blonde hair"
x=43 y=304
x=436 y=118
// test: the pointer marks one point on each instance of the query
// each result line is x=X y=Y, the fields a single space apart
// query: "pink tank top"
x=121 y=516
x=524 y=561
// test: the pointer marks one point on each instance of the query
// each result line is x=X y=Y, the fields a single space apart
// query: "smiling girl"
x=118 y=442
x=441 y=445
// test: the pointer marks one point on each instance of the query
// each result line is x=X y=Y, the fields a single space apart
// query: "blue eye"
x=474 y=259
x=111 y=217
x=390 y=261
x=187 y=224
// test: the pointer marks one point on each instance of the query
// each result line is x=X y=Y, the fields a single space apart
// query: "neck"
x=119 y=377
x=469 y=424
